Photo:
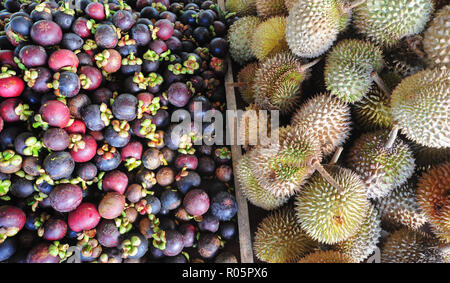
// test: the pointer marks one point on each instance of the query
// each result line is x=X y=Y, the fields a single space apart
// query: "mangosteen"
x=134 y=245
x=111 y=205
x=54 y=229
x=123 y=20
x=108 y=234
x=173 y=243
x=65 y=197
x=46 y=33
x=21 y=188
x=225 y=257
x=59 y=165
x=8 y=248
x=227 y=230
x=209 y=223
x=124 y=107
x=208 y=245
x=187 y=180
x=224 y=206
x=170 y=199
x=41 y=254
x=106 y=36
x=108 y=158
x=87 y=171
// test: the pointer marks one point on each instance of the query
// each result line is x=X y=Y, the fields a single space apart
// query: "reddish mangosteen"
x=77 y=127
x=82 y=147
x=165 y=176
x=90 y=77
x=80 y=27
x=115 y=181
x=106 y=36
x=123 y=20
x=46 y=33
x=33 y=56
x=10 y=85
x=12 y=220
x=96 y=11
x=59 y=165
x=112 y=205
x=65 y=197
x=224 y=173
x=108 y=234
x=55 y=113
x=63 y=59
x=196 y=202
x=56 y=139
x=158 y=46
x=85 y=217
x=109 y=60
x=131 y=155
x=187 y=161
x=7 y=58
x=13 y=110
x=41 y=254
x=54 y=229
x=164 y=29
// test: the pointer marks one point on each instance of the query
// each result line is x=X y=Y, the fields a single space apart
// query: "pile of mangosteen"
x=90 y=167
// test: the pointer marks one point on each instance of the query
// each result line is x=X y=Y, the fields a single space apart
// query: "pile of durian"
x=362 y=167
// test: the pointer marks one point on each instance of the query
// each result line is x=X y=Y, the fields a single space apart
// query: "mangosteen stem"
x=392 y=137
x=336 y=156
x=318 y=167
x=379 y=81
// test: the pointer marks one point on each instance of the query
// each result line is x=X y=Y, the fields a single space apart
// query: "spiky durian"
x=420 y=105
x=383 y=163
x=246 y=80
x=428 y=155
x=239 y=40
x=400 y=208
x=241 y=7
x=433 y=190
x=372 y=112
x=326 y=214
x=253 y=127
x=326 y=257
x=364 y=242
x=348 y=69
x=436 y=40
x=254 y=193
x=282 y=168
x=270 y=8
x=313 y=25
x=279 y=238
x=406 y=246
x=268 y=39
x=277 y=82
x=328 y=120
x=385 y=22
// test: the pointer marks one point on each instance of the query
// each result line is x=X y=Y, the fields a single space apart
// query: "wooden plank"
x=245 y=242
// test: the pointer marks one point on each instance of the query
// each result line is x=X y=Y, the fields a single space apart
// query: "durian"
x=364 y=242
x=268 y=39
x=239 y=40
x=313 y=25
x=327 y=214
x=426 y=156
x=385 y=22
x=241 y=7
x=406 y=246
x=278 y=81
x=282 y=169
x=351 y=67
x=328 y=120
x=289 y=4
x=433 y=191
x=372 y=112
x=420 y=106
x=279 y=238
x=382 y=160
x=326 y=257
x=406 y=58
x=270 y=8
x=246 y=80
x=254 y=193
x=436 y=40
x=400 y=208
x=252 y=126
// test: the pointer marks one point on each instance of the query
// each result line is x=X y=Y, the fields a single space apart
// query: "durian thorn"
x=392 y=137
x=309 y=65
x=356 y=3
x=236 y=84
x=379 y=81
x=414 y=43
x=318 y=167
x=336 y=155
